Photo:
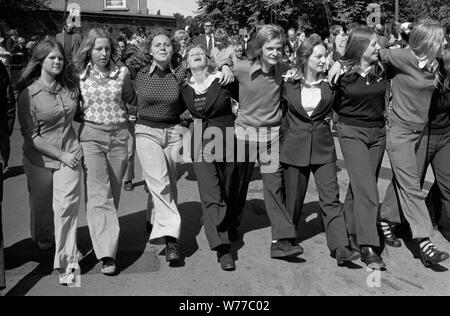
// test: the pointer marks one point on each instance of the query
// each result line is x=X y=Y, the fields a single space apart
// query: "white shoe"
x=67 y=278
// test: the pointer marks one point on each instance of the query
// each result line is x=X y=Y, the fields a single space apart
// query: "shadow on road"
x=22 y=253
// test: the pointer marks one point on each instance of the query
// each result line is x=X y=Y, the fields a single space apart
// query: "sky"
x=169 y=7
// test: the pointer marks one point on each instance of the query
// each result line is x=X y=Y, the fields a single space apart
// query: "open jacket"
x=307 y=139
x=218 y=112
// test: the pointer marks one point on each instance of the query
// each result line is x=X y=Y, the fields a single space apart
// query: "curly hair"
x=143 y=58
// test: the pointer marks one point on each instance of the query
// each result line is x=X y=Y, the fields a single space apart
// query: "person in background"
x=106 y=90
x=382 y=39
x=223 y=53
x=7 y=117
x=49 y=98
x=32 y=44
x=12 y=40
x=182 y=39
x=301 y=36
x=207 y=39
x=70 y=40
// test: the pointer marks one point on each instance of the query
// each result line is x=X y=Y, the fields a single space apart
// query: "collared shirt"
x=311 y=95
x=260 y=99
x=425 y=62
x=48 y=114
x=202 y=88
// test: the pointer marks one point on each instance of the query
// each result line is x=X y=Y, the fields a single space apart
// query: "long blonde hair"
x=427 y=38
x=83 y=56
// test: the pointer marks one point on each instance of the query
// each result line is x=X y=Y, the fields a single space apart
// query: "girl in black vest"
x=308 y=146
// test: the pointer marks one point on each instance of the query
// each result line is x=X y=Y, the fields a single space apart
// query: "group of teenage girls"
x=383 y=99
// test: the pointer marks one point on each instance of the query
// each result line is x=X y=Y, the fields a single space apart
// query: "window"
x=115 y=4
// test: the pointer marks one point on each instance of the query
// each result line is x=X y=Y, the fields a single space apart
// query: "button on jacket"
x=307 y=139
x=48 y=114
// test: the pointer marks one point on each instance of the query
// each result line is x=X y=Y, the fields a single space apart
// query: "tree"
x=22 y=5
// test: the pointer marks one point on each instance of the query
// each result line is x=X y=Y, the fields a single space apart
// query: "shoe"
x=128 y=186
x=345 y=255
x=233 y=234
x=66 y=279
x=46 y=245
x=353 y=244
x=388 y=236
x=285 y=249
x=108 y=266
x=227 y=262
x=372 y=259
x=430 y=255
x=172 y=252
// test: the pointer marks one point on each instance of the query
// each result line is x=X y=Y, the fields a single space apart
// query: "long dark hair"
x=306 y=49
x=66 y=79
x=358 y=42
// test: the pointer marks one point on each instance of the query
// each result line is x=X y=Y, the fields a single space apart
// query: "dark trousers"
x=434 y=149
x=218 y=193
x=363 y=150
x=279 y=216
x=296 y=181
x=2 y=255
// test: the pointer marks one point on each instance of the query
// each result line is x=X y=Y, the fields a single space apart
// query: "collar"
x=154 y=66
x=364 y=72
x=38 y=86
x=113 y=73
x=314 y=83
x=425 y=63
x=201 y=88
x=256 y=66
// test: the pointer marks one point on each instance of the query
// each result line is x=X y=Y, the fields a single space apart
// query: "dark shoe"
x=388 y=235
x=172 y=252
x=233 y=234
x=108 y=266
x=430 y=255
x=128 y=186
x=285 y=249
x=227 y=262
x=345 y=255
x=372 y=259
x=353 y=244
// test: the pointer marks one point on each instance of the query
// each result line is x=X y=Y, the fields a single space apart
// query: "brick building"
x=113 y=13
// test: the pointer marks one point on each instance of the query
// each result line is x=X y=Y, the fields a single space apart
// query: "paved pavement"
x=144 y=271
